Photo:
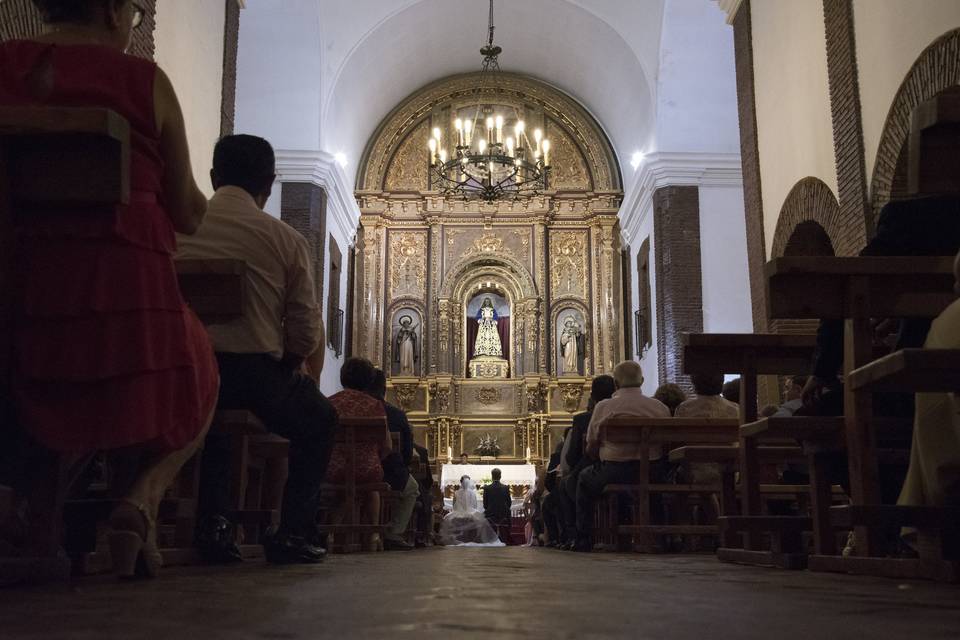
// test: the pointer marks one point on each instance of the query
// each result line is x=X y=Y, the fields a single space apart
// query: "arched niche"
x=562 y=308
x=399 y=308
x=811 y=200
x=396 y=159
x=507 y=278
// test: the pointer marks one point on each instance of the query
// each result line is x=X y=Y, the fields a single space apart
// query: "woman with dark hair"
x=107 y=355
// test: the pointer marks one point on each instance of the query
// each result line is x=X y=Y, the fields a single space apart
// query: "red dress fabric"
x=356 y=404
x=106 y=353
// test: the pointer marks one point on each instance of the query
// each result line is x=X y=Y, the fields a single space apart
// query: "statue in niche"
x=572 y=346
x=488 y=338
x=405 y=346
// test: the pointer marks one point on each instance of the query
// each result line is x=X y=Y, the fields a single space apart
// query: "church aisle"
x=485 y=593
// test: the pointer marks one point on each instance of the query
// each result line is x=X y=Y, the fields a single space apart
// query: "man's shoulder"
x=581 y=420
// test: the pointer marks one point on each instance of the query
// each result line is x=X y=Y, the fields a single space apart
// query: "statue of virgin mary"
x=488 y=338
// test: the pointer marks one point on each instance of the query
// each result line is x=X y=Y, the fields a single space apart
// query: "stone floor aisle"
x=490 y=594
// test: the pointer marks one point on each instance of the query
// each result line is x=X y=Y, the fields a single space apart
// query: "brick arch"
x=809 y=203
x=936 y=69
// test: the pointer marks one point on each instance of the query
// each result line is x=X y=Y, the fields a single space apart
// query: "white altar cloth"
x=512 y=474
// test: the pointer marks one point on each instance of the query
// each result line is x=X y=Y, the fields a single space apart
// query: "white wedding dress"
x=466 y=526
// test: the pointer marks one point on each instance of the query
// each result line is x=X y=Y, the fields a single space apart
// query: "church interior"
x=618 y=317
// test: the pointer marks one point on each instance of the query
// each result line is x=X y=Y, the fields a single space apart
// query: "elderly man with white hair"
x=619 y=462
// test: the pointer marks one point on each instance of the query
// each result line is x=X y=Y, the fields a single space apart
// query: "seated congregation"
x=161 y=397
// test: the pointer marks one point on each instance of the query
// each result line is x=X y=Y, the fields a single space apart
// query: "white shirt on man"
x=280 y=311
x=627 y=402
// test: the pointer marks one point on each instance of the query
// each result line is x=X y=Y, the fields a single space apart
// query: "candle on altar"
x=528 y=454
x=450 y=453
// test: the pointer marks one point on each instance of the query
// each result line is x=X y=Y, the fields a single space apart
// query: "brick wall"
x=20 y=19
x=676 y=227
x=750 y=158
x=847 y=126
x=231 y=43
x=304 y=207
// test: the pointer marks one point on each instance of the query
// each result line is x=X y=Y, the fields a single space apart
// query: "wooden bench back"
x=862 y=287
x=671 y=430
x=75 y=159
x=215 y=288
x=747 y=353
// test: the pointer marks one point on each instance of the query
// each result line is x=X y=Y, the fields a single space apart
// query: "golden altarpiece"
x=429 y=265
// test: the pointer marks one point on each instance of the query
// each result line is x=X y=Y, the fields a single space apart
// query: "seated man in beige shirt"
x=619 y=462
x=260 y=353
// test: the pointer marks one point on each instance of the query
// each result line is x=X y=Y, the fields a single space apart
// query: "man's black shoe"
x=396 y=545
x=286 y=549
x=215 y=541
x=582 y=546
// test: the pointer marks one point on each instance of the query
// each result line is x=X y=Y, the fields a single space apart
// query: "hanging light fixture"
x=493 y=158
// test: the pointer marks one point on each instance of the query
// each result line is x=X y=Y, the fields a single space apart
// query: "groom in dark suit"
x=496 y=501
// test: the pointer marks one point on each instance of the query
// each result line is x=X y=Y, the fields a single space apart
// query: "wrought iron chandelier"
x=488 y=163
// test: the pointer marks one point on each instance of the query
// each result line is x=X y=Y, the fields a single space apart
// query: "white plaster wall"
x=890 y=35
x=279 y=72
x=189 y=48
x=794 y=126
x=723 y=260
x=696 y=84
x=649 y=361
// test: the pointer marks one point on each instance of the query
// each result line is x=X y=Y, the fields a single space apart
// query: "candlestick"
x=509 y=146
x=489 y=128
x=546 y=152
x=518 y=129
x=528 y=454
x=482 y=145
x=468 y=131
x=538 y=136
x=458 y=125
x=450 y=453
x=499 y=123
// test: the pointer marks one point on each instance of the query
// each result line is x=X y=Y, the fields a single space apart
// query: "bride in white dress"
x=466 y=525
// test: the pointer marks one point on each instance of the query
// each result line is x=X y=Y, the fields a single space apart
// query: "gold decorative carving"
x=488 y=395
x=408 y=170
x=406 y=392
x=441 y=396
x=568 y=170
x=571 y=393
x=568 y=263
x=408 y=264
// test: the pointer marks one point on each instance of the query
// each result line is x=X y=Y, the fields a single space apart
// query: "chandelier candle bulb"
x=482 y=145
x=518 y=129
x=499 y=123
x=443 y=156
x=546 y=152
x=432 y=143
x=489 y=128
x=538 y=136
x=436 y=133
x=467 y=132
x=458 y=125
x=509 y=146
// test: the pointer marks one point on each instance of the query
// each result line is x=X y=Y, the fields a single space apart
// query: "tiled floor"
x=487 y=593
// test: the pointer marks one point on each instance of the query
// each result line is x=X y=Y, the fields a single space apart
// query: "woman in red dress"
x=107 y=355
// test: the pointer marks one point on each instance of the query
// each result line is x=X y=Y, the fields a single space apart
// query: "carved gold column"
x=370 y=291
x=539 y=359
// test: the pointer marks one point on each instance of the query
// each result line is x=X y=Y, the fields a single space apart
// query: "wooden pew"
x=347 y=536
x=752 y=355
x=648 y=433
x=856 y=290
x=75 y=159
x=216 y=291
x=913 y=371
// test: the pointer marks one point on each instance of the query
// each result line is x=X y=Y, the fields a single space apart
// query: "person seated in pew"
x=550 y=509
x=933 y=477
x=396 y=466
x=424 y=535
x=708 y=403
x=357 y=376
x=768 y=410
x=619 y=462
x=107 y=355
x=792 y=396
x=670 y=394
x=261 y=353
x=925 y=226
x=731 y=390
x=573 y=458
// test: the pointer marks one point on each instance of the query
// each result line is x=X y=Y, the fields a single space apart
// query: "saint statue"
x=488 y=338
x=572 y=346
x=405 y=346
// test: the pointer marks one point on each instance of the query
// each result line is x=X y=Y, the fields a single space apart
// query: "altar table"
x=512 y=474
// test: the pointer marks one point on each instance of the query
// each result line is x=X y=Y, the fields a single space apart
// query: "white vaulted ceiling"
x=375 y=53
x=320 y=75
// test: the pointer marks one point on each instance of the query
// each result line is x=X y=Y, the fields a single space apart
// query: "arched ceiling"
x=375 y=53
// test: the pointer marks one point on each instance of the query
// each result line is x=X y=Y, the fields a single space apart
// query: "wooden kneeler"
x=73 y=159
